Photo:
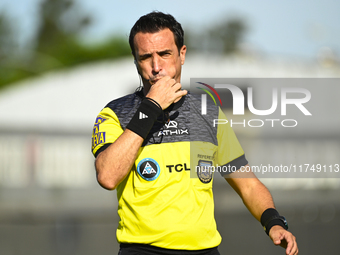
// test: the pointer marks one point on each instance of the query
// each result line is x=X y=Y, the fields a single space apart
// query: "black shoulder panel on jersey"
x=202 y=128
x=125 y=107
x=185 y=123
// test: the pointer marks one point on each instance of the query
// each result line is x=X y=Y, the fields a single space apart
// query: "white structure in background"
x=46 y=122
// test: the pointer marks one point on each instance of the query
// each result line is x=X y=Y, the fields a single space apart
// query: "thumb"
x=277 y=240
x=276 y=237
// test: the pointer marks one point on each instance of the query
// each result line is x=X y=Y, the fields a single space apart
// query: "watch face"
x=284 y=221
x=276 y=217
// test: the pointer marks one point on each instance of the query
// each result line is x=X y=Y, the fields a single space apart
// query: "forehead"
x=150 y=42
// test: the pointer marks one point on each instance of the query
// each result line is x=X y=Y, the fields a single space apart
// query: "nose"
x=156 y=65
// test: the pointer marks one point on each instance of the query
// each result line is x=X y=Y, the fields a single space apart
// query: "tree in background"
x=6 y=37
x=57 y=43
x=8 y=69
x=58 y=37
x=230 y=34
x=224 y=37
x=60 y=21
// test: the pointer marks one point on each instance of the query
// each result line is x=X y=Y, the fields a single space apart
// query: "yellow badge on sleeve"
x=98 y=137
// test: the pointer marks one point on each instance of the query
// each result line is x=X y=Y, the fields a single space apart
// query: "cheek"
x=145 y=68
x=174 y=66
x=171 y=71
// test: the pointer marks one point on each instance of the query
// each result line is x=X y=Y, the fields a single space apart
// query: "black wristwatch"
x=275 y=220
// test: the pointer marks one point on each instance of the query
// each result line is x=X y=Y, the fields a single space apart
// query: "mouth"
x=154 y=80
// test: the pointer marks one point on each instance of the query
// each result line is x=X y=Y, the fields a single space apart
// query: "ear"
x=136 y=65
x=182 y=53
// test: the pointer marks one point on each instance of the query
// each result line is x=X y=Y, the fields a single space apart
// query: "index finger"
x=291 y=244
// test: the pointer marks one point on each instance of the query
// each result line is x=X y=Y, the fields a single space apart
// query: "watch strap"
x=270 y=218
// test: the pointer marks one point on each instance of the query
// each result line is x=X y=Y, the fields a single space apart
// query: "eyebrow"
x=146 y=55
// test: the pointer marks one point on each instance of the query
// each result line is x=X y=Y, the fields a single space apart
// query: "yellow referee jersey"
x=166 y=200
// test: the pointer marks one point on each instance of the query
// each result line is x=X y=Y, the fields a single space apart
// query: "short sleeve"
x=106 y=130
x=229 y=152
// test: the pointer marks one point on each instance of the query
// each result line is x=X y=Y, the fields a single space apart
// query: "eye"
x=165 y=53
x=144 y=57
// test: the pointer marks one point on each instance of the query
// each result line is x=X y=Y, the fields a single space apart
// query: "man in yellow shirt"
x=153 y=148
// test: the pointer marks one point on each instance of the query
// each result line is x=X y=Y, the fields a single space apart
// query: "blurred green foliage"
x=57 y=43
x=230 y=34
x=225 y=37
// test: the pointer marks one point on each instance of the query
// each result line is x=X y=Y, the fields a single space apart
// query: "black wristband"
x=144 y=118
x=270 y=218
x=153 y=100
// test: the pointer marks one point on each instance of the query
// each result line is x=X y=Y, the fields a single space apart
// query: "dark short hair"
x=154 y=22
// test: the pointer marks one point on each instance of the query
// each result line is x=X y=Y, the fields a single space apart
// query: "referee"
x=154 y=147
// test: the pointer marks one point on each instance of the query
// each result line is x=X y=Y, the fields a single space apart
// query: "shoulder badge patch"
x=204 y=171
x=98 y=137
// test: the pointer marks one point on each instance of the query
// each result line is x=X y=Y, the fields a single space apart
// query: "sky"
x=293 y=28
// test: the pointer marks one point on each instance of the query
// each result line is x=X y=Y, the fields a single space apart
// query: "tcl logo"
x=178 y=167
